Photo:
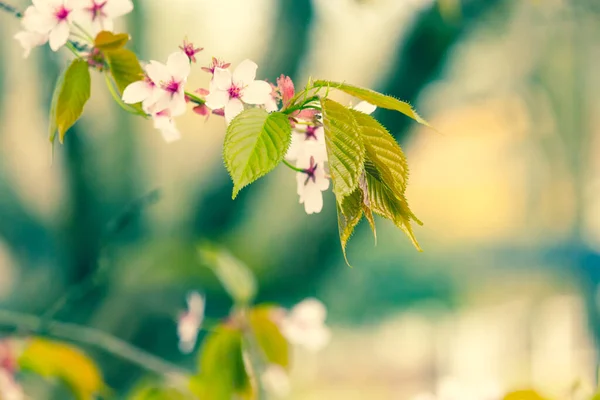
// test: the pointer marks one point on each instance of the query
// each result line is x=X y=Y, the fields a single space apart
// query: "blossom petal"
x=137 y=92
x=217 y=99
x=178 y=65
x=177 y=105
x=103 y=24
x=365 y=107
x=233 y=108
x=221 y=79
x=118 y=8
x=59 y=36
x=196 y=303
x=29 y=40
x=168 y=129
x=257 y=92
x=157 y=72
x=245 y=73
x=296 y=146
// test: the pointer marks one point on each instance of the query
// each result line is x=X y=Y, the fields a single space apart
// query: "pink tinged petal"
x=118 y=8
x=137 y=92
x=59 y=36
x=365 y=107
x=167 y=128
x=161 y=100
x=177 y=105
x=221 y=79
x=232 y=109
x=217 y=99
x=178 y=65
x=245 y=73
x=257 y=92
x=157 y=72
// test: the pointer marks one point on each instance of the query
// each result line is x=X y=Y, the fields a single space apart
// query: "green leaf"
x=524 y=395
x=124 y=67
x=384 y=152
x=375 y=98
x=222 y=370
x=52 y=359
x=395 y=208
x=237 y=279
x=255 y=143
x=108 y=41
x=270 y=339
x=345 y=149
x=70 y=95
x=366 y=204
x=154 y=392
x=349 y=212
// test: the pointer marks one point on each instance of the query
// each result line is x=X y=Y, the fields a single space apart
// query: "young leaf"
x=73 y=92
x=124 y=67
x=222 y=369
x=255 y=143
x=350 y=212
x=108 y=41
x=366 y=203
x=52 y=127
x=270 y=339
x=384 y=152
x=375 y=98
x=57 y=360
x=345 y=149
x=395 y=208
x=237 y=279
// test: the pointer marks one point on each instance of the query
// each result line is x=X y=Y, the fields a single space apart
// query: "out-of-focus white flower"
x=364 y=107
x=9 y=387
x=230 y=91
x=311 y=183
x=190 y=322
x=100 y=13
x=276 y=381
x=305 y=326
x=449 y=388
x=52 y=18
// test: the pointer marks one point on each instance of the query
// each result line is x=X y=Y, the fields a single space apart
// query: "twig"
x=91 y=337
x=10 y=9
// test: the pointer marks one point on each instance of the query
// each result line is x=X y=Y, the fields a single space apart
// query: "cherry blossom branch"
x=292 y=167
x=195 y=98
x=92 y=337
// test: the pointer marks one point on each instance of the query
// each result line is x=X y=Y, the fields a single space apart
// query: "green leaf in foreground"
x=222 y=370
x=73 y=90
x=255 y=143
x=124 y=67
x=108 y=41
x=345 y=149
x=349 y=212
x=375 y=98
x=273 y=344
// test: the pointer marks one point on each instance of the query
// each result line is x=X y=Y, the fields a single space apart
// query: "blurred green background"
x=505 y=293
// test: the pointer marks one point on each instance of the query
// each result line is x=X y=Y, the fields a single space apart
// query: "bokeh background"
x=505 y=294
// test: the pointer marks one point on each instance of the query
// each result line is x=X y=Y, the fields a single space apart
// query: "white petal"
x=103 y=24
x=168 y=129
x=296 y=146
x=196 y=303
x=217 y=99
x=177 y=106
x=271 y=105
x=233 y=108
x=59 y=36
x=160 y=100
x=157 y=72
x=276 y=381
x=311 y=310
x=29 y=40
x=42 y=23
x=137 y=92
x=257 y=92
x=317 y=339
x=365 y=107
x=245 y=73
x=221 y=79
x=178 y=65
x=118 y=8
x=44 y=6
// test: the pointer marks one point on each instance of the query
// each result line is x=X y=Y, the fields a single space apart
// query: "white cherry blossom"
x=311 y=183
x=306 y=142
x=165 y=123
x=276 y=381
x=190 y=322
x=100 y=13
x=305 y=326
x=170 y=80
x=144 y=91
x=52 y=18
x=231 y=91
x=29 y=38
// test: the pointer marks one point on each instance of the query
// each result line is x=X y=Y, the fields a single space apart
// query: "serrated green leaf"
x=74 y=89
x=349 y=212
x=255 y=143
x=108 y=41
x=384 y=152
x=52 y=359
x=237 y=279
x=375 y=98
x=222 y=370
x=268 y=335
x=366 y=204
x=395 y=208
x=124 y=67
x=345 y=149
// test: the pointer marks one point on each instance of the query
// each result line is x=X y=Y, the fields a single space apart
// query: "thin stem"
x=73 y=49
x=292 y=167
x=10 y=9
x=84 y=32
x=195 y=98
x=91 y=337
x=117 y=97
